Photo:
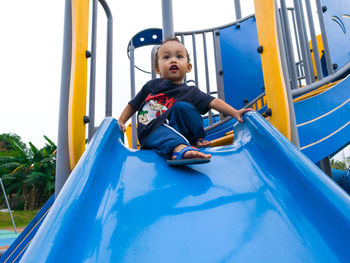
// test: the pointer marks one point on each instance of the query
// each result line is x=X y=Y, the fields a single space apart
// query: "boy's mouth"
x=173 y=68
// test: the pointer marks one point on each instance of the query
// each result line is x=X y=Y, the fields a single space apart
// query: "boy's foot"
x=202 y=143
x=190 y=154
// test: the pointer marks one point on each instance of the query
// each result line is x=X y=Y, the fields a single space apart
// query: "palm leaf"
x=18 y=148
x=6 y=159
x=50 y=142
x=12 y=165
x=33 y=148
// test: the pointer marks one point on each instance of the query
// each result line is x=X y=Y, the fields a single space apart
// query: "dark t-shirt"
x=155 y=100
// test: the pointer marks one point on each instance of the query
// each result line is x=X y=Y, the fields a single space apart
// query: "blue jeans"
x=185 y=126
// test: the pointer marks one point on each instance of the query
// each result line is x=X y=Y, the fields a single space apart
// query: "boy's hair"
x=171 y=38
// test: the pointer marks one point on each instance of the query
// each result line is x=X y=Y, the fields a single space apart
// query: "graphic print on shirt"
x=154 y=107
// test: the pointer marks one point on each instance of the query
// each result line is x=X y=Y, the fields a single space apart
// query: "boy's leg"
x=165 y=140
x=186 y=119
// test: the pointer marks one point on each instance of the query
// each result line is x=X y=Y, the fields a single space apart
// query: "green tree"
x=28 y=174
x=15 y=163
x=6 y=144
x=42 y=174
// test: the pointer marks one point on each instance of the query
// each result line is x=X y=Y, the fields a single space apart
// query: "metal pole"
x=307 y=46
x=299 y=67
x=93 y=72
x=183 y=42
x=8 y=205
x=153 y=55
x=284 y=41
x=109 y=58
x=325 y=166
x=303 y=44
x=314 y=41
x=62 y=161
x=218 y=65
x=238 y=9
x=195 y=59
x=167 y=15
x=324 y=38
x=293 y=125
x=289 y=45
x=207 y=74
x=132 y=84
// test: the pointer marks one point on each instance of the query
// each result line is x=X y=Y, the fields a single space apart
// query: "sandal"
x=179 y=160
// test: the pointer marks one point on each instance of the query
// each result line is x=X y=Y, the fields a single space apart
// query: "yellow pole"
x=275 y=87
x=78 y=81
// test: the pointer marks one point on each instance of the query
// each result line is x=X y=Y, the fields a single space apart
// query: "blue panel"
x=258 y=200
x=337 y=23
x=151 y=36
x=325 y=125
x=326 y=118
x=329 y=145
x=243 y=77
x=309 y=109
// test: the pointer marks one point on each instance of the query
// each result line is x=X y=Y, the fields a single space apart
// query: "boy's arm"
x=223 y=107
x=125 y=116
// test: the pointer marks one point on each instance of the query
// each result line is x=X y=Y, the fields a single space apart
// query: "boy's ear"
x=189 y=68
x=156 y=69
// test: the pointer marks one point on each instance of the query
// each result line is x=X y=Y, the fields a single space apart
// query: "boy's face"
x=172 y=62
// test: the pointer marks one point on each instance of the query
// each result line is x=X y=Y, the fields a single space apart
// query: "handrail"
x=109 y=65
x=226 y=119
x=215 y=28
x=341 y=73
x=109 y=57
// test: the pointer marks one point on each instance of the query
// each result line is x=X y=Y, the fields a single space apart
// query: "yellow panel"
x=225 y=140
x=258 y=103
x=129 y=136
x=276 y=95
x=78 y=81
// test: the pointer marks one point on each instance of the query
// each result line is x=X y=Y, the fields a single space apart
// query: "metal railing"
x=305 y=69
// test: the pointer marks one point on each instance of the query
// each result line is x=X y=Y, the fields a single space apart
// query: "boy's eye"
x=179 y=56
x=166 y=57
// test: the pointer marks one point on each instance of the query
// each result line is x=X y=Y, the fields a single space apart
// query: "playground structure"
x=260 y=199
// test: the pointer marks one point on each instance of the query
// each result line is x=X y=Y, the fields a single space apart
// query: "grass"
x=21 y=218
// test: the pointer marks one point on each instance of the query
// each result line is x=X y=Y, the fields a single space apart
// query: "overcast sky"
x=31 y=55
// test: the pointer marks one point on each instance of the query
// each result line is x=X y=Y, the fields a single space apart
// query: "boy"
x=169 y=111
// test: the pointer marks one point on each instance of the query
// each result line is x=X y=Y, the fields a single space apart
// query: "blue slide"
x=258 y=200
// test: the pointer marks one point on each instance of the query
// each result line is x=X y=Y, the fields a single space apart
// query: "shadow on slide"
x=258 y=200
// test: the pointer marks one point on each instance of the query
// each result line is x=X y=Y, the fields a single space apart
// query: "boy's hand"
x=239 y=113
x=122 y=126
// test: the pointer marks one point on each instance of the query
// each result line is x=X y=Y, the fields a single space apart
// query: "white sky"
x=31 y=44
x=31 y=55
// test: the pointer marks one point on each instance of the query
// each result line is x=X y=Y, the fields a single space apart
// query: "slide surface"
x=258 y=200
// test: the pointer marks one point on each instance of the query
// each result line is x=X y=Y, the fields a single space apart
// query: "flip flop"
x=179 y=160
